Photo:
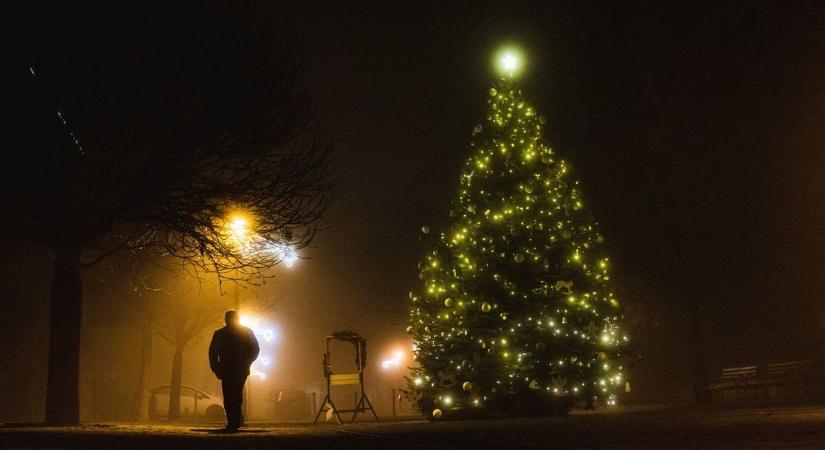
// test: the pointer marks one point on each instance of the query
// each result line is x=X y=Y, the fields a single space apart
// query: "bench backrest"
x=789 y=368
x=732 y=373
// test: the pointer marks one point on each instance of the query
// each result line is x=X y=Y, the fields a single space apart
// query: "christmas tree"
x=515 y=315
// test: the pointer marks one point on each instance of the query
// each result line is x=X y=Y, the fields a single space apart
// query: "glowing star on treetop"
x=509 y=62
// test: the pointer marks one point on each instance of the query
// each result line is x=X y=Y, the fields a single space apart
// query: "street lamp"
x=240 y=234
x=393 y=363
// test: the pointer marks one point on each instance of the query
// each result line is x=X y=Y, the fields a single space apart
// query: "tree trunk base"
x=62 y=398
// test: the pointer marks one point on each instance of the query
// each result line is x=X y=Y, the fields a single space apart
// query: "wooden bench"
x=776 y=381
x=790 y=370
x=734 y=380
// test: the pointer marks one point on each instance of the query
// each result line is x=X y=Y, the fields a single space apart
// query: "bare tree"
x=143 y=132
x=183 y=314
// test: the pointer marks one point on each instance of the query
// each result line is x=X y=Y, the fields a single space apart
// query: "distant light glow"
x=264 y=332
x=239 y=227
x=253 y=372
x=285 y=253
x=394 y=361
x=269 y=334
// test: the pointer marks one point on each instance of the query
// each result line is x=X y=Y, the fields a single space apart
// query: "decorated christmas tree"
x=516 y=314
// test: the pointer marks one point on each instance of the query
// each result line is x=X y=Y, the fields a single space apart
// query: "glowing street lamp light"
x=394 y=362
x=239 y=232
x=238 y=227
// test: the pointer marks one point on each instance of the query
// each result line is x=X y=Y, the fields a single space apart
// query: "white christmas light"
x=285 y=253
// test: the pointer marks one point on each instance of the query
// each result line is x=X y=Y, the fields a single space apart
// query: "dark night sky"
x=696 y=132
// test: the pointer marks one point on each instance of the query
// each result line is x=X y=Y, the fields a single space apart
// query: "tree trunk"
x=143 y=377
x=174 y=389
x=62 y=399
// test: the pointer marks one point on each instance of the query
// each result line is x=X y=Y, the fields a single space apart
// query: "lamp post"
x=241 y=235
x=393 y=364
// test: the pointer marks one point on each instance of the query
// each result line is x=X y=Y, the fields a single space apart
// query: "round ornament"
x=519 y=258
x=486 y=307
x=471 y=208
x=467 y=386
x=600 y=239
x=425 y=229
x=477 y=129
x=493 y=92
x=437 y=413
x=542 y=120
x=528 y=189
x=409 y=329
x=448 y=302
x=602 y=356
x=540 y=347
x=422 y=276
x=567 y=234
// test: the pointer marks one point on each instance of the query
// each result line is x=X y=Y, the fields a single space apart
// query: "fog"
x=723 y=131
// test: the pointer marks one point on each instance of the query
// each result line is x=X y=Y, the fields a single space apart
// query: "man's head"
x=232 y=319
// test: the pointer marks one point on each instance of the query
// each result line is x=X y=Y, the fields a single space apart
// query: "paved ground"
x=641 y=428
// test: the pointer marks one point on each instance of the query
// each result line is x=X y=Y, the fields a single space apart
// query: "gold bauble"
x=437 y=413
x=486 y=307
x=467 y=386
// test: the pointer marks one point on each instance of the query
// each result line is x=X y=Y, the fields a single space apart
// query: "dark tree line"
x=139 y=131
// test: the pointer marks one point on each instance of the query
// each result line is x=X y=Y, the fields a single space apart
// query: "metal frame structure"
x=363 y=404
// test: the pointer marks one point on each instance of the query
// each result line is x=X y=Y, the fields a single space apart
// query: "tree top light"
x=509 y=61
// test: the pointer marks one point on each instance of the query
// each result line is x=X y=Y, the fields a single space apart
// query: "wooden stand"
x=363 y=403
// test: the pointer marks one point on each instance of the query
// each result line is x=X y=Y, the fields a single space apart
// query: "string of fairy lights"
x=515 y=292
x=62 y=117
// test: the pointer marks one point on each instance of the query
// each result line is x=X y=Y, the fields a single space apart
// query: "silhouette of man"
x=231 y=352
